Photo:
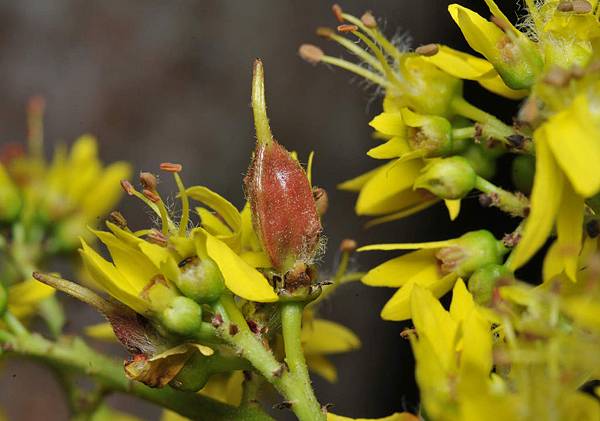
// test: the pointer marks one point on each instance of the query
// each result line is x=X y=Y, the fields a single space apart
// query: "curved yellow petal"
x=398 y=308
x=398 y=271
x=218 y=203
x=402 y=214
x=161 y=258
x=462 y=301
x=568 y=228
x=256 y=259
x=326 y=337
x=322 y=366
x=481 y=34
x=240 y=278
x=389 y=124
x=453 y=207
x=357 y=183
x=393 y=148
x=24 y=297
x=249 y=239
x=106 y=191
x=545 y=201
x=212 y=223
x=407 y=246
x=573 y=138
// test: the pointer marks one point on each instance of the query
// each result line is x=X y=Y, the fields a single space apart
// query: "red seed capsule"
x=283 y=207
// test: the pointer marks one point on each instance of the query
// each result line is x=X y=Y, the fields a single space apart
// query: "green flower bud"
x=449 y=178
x=484 y=280
x=201 y=280
x=483 y=164
x=430 y=133
x=523 y=170
x=194 y=375
x=470 y=252
x=182 y=316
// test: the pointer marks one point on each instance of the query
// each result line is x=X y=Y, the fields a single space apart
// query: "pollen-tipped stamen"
x=185 y=201
x=350 y=46
x=379 y=55
x=259 y=104
x=375 y=35
x=35 y=126
x=154 y=202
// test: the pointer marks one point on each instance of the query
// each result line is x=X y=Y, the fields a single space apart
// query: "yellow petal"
x=398 y=308
x=101 y=331
x=162 y=259
x=391 y=189
x=398 y=271
x=240 y=278
x=393 y=148
x=322 y=366
x=434 y=323
x=476 y=354
x=357 y=183
x=326 y=337
x=256 y=259
x=545 y=201
x=462 y=301
x=218 y=203
x=396 y=416
x=407 y=246
x=481 y=34
x=212 y=223
x=106 y=191
x=111 y=280
x=389 y=124
x=402 y=214
x=24 y=297
x=573 y=138
x=453 y=207
x=249 y=239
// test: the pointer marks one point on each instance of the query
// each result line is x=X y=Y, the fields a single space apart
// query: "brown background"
x=170 y=81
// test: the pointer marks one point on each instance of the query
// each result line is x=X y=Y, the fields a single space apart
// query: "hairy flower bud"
x=484 y=280
x=470 y=252
x=201 y=280
x=182 y=316
x=283 y=207
x=449 y=178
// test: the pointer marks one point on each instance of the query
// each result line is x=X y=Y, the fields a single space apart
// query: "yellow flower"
x=25 y=297
x=435 y=266
x=321 y=338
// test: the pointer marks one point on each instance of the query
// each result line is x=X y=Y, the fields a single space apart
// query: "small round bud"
x=484 y=280
x=523 y=170
x=483 y=164
x=194 y=375
x=201 y=281
x=470 y=252
x=449 y=178
x=182 y=316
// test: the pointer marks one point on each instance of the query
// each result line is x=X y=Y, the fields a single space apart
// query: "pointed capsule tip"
x=259 y=105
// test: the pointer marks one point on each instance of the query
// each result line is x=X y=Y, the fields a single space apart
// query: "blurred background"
x=159 y=80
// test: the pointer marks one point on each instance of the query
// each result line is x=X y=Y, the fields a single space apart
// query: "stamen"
x=354 y=68
x=127 y=187
x=35 y=126
x=157 y=237
x=348 y=245
x=171 y=167
x=153 y=197
x=368 y=19
x=338 y=12
x=311 y=53
x=347 y=28
x=350 y=46
x=259 y=105
x=428 y=50
x=376 y=35
x=185 y=205
x=565 y=6
x=500 y=23
x=581 y=6
x=118 y=219
x=380 y=57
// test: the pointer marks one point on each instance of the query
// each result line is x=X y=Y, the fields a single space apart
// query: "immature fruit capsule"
x=449 y=178
x=201 y=280
x=284 y=213
x=182 y=316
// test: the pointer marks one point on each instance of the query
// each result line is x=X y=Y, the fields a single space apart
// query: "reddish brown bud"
x=283 y=208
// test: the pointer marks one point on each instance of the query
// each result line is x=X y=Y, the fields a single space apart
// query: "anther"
x=565 y=6
x=348 y=245
x=500 y=23
x=338 y=12
x=118 y=219
x=321 y=200
x=325 y=32
x=557 y=77
x=428 y=50
x=157 y=237
x=311 y=53
x=581 y=6
x=345 y=27
x=171 y=167
x=153 y=197
x=368 y=19
x=127 y=187
x=148 y=181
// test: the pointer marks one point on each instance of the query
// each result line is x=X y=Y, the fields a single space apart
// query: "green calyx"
x=484 y=280
x=449 y=178
x=474 y=250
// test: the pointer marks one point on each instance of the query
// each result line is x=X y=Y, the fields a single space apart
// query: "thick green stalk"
x=75 y=355
x=294 y=388
x=494 y=127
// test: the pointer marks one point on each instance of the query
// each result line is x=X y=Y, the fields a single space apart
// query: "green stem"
x=74 y=354
x=463 y=133
x=494 y=127
x=293 y=388
x=513 y=204
x=14 y=325
x=291 y=320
